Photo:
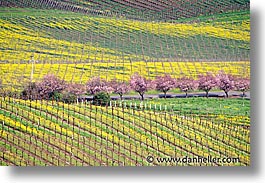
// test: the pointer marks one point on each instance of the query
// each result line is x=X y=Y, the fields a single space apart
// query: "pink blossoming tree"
x=49 y=86
x=165 y=83
x=75 y=89
x=96 y=85
x=120 y=88
x=207 y=82
x=186 y=84
x=242 y=84
x=225 y=82
x=141 y=84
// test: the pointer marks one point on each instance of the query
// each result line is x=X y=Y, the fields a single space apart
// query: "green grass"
x=18 y=12
x=222 y=17
x=201 y=105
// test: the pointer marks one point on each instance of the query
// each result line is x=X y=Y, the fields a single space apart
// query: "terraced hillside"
x=136 y=9
x=50 y=133
x=63 y=37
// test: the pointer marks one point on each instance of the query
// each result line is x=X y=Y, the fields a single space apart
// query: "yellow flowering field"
x=16 y=75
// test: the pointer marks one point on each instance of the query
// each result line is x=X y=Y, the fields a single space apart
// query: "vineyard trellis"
x=61 y=127
x=74 y=42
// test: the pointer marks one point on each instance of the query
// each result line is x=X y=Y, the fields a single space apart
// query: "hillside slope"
x=61 y=36
x=136 y=9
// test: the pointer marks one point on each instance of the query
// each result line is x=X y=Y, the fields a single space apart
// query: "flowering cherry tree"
x=186 y=84
x=75 y=89
x=165 y=83
x=141 y=84
x=49 y=86
x=242 y=84
x=120 y=88
x=96 y=85
x=207 y=82
x=225 y=82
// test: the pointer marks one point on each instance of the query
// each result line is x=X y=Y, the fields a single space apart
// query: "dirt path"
x=172 y=95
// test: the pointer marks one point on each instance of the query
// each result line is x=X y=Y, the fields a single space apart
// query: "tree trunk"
x=121 y=97
x=243 y=94
x=142 y=96
x=165 y=95
x=186 y=94
x=226 y=94
x=207 y=94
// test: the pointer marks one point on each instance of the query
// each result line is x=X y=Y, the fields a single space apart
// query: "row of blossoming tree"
x=52 y=87
x=207 y=82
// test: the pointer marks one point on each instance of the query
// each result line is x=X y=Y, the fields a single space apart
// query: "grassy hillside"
x=60 y=36
x=228 y=108
x=49 y=133
x=136 y=9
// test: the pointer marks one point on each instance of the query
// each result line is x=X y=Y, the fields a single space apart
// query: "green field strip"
x=198 y=105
